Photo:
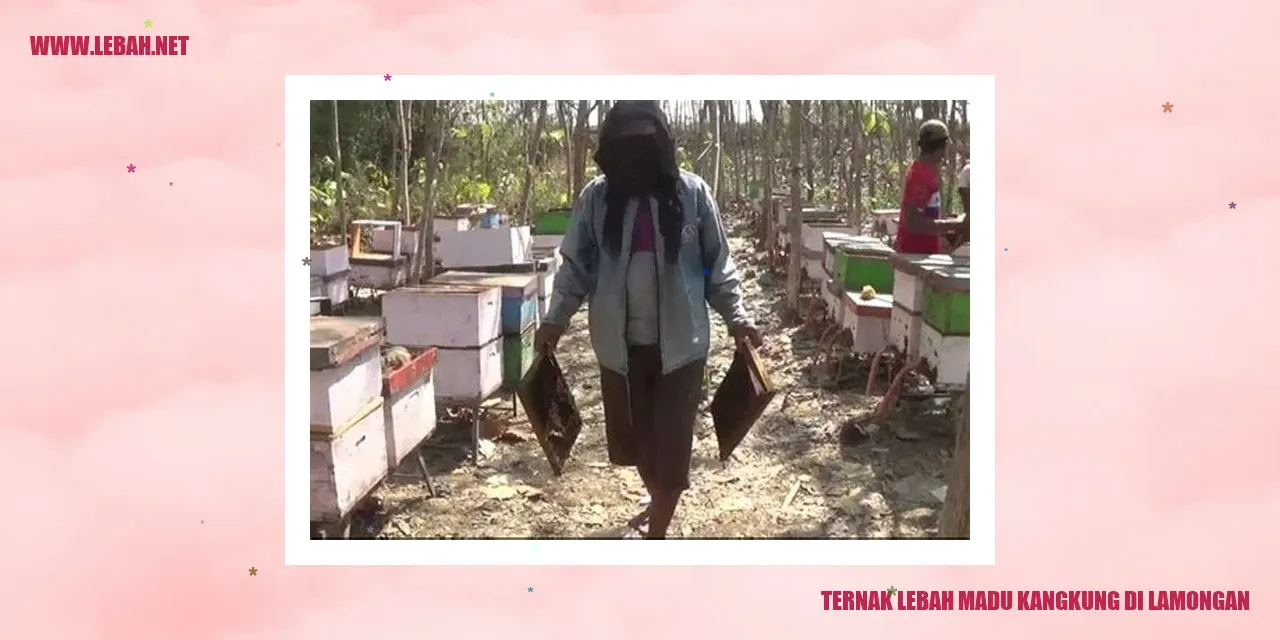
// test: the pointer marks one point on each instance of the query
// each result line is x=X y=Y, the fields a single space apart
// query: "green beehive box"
x=946 y=299
x=551 y=223
x=861 y=263
x=517 y=355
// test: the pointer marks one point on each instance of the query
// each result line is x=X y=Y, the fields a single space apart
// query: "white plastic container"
x=438 y=315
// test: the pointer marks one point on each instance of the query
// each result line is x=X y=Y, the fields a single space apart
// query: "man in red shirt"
x=921 y=225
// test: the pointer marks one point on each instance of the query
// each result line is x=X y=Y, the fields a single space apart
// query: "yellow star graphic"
x=147 y=23
x=253 y=571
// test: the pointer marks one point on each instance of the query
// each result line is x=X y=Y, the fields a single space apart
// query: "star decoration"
x=1168 y=107
x=387 y=77
x=490 y=94
x=1232 y=205
x=131 y=168
x=891 y=591
x=253 y=571
x=306 y=261
x=202 y=522
x=530 y=589
x=171 y=184
x=147 y=23
x=277 y=144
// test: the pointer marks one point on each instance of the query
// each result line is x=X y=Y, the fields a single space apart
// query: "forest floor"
x=790 y=478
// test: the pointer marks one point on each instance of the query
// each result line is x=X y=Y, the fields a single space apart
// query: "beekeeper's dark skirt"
x=649 y=417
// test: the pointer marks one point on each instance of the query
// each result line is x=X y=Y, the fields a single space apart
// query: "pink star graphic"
x=131 y=168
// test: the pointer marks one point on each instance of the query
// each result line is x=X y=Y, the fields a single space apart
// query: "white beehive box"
x=547 y=242
x=904 y=330
x=485 y=247
x=868 y=321
x=347 y=463
x=469 y=374
x=451 y=224
x=335 y=288
x=383 y=239
x=383 y=274
x=409 y=405
x=948 y=355
x=833 y=298
x=328 y=260
x=815 y=237
x=908 y=281
x=439 y=315
x=346 y=370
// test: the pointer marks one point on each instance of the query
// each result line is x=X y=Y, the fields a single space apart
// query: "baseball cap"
x=932 y=131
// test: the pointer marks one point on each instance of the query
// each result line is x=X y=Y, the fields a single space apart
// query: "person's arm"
x=722 y=281
x=576 y=277
x=917 y=222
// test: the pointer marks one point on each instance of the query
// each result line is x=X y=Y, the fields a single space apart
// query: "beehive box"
x=948 y=355
x=808 y=214
x=904 y=330
x=451 y=224
x=864 y=261
x=379 y=271
x=327 y=260
x=946 y=299
x=409 y=405
x=443 y=315
x=944 y=333
x=547 y=242
x=346 y=370
x=469 y=374
x=382 y=240
x=334 y=288
x=482 y=247
x=831 y=245
x=552 y=223
x=348 y=437
x=517 y=355
x=815 y=236
x=347 y=463
x=519 y=306
x=833 y=298
x=908 y=273
x=867 y=320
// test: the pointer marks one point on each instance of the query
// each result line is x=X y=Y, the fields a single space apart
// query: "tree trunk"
x=422 y=267
x=793 y=218
x=954 y=522
x=769 y=118
x=402 y=182
x=533 y=163
x=580 y=146
x=714 y=114
x=562 y=112
x=339 y=196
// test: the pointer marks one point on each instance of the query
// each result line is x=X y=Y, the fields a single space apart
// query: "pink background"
x=141 y=387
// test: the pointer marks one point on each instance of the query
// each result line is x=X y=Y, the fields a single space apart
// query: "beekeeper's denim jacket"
x=704 y=274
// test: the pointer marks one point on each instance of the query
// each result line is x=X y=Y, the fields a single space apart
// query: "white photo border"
x=979 y=91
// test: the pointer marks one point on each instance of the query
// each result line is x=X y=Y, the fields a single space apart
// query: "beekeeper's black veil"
x=638 y=158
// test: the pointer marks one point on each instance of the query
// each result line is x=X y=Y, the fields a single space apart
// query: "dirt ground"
x=790 y=478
